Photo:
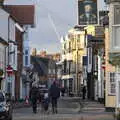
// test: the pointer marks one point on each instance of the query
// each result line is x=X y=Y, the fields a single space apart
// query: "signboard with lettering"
x=87 y=12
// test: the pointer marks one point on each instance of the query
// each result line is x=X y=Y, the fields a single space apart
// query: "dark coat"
x=84 y=90
x=34 y=93
x=54 y=92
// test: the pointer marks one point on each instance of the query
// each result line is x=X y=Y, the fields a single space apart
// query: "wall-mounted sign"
x=9 y=70
x=87 y=12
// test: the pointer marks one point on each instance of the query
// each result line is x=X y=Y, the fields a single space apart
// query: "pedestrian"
x=34 y=94
x=84 y=92
x=54 y=93
x=45 y=102
x=62 y=91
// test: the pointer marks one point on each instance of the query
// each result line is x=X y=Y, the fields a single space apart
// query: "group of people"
x=50 y=97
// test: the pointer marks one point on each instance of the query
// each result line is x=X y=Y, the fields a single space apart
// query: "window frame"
x=112 y=82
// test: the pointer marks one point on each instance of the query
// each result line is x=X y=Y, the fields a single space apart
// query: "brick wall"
x=19 y=41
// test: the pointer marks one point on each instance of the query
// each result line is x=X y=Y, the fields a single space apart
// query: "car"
x=5 y=107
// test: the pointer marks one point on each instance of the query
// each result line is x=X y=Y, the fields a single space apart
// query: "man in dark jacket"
x=84 y=92
x=34 y=97
x=54 y=93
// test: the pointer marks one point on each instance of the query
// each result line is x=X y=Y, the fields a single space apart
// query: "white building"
x=3 y=46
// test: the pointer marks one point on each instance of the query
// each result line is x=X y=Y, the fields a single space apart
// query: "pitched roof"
x=23 y=14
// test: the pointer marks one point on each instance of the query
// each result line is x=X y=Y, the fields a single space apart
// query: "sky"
x=53 y=19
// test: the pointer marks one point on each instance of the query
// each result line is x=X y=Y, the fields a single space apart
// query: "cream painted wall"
x=110 y=100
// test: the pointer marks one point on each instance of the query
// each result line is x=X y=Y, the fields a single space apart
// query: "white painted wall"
x=12 y=29
x=12 y=47
x=2 y=56
x=4 y=24
x=2 y=65
x=99 y=78
x=89 y=53
x=101 y=5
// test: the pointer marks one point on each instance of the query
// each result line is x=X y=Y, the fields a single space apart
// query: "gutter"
x=19 y=27
x=3 y=42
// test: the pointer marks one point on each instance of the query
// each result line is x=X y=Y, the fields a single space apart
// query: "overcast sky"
x=53 y=19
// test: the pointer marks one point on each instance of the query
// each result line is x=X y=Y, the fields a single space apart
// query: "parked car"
x=5 y=107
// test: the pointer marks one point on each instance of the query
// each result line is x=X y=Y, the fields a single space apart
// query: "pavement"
x=68 y=109
x=17 y=105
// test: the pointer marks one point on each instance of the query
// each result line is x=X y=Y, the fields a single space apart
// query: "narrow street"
x=68 y=110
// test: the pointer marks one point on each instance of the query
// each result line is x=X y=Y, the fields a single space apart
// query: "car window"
x=1 y=97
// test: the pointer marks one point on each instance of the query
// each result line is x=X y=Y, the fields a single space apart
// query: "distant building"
x=44 y=70
x=43 y=54
x=59 y=65
x=34 y=52
x=54 y=56
x=73 y=50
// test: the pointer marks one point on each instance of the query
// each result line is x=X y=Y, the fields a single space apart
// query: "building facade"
x=95 y=62
x=73 y=50
x=112 y=54
x=3 y=47
x=25 y=20
x=44 y=71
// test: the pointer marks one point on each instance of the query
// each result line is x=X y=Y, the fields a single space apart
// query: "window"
x=112 y=84
x=116 y=29
x=26 y=52
x=117 y=14
x=26 y=57
x=116 y=32
x=26 y=60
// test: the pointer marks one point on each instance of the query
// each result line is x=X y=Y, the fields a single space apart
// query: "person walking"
x=84 y=92
x=34 y=94
x=62 y=91
x=54 y=93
